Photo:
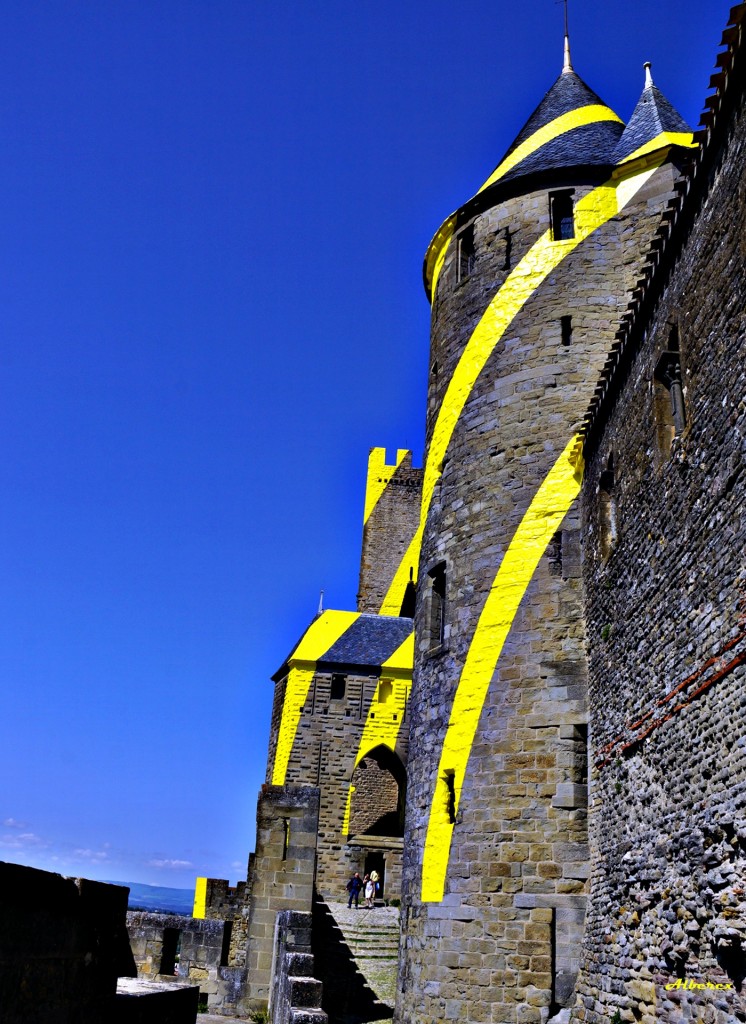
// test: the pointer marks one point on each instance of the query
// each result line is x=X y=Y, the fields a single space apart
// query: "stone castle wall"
x=503 y=942
x=666 y=600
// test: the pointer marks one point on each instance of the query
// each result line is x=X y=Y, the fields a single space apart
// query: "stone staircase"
x=356 y=958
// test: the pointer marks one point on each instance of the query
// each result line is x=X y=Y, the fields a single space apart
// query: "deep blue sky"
x=212 y=225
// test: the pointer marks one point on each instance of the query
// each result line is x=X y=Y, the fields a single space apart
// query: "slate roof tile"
x=369 y=641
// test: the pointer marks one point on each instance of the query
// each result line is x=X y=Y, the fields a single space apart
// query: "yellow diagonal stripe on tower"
x=685 y=139
x=380 y=726
x=591 y=114
x=591 y=213
x=543 y=518
x=316 y=641
x=379 y=477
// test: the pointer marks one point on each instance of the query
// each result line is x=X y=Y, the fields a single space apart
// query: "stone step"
x=375 y=949
x=299 y=965
x=371 y=937
x=304 y=993
x=307 y=1017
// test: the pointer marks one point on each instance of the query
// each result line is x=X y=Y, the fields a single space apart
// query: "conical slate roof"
x=571 y=127
x=653 y=123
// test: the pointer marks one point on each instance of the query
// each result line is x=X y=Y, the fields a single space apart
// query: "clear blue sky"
x=212 y=225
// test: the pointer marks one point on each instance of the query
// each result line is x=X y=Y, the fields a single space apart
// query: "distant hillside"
x=160 y=898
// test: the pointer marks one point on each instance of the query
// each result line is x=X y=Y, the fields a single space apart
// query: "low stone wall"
x=203 y=954
x=155 y=939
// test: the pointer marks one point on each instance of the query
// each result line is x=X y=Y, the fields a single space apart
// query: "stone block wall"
x=282 y=875
x=222 y=900
x=376 y=794
x=664 y=512
x=204 y=954
x=503 y=941
x=63 y=944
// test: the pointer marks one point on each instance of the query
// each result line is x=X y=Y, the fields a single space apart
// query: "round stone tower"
x=528 y=280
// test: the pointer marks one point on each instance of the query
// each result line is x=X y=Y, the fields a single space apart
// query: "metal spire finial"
x=648 y=74
x=567 y=65
x=321 y=603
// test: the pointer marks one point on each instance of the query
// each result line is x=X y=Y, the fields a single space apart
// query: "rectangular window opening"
x=466 y=254
x=437 y=605
x=670 y=411
x=225 y=950
x=170 y=951
x=607 y=511
x=449 y=777
x=285 y=837
x=338 y=687
x=385 y=691
x=566 y=330
x=562 y=215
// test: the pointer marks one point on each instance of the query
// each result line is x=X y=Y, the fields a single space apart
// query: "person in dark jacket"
x=354 y=886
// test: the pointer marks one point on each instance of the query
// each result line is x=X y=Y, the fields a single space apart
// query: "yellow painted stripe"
x=200 y=898
x=685 y=139
x=380 y=727
x=379 y=477
x=591 y=213
x=402 y=659
x=439 y=250
x=392 y=602
x=348 y=809
x=543 y=518
x=593 y=113
x=316 y=641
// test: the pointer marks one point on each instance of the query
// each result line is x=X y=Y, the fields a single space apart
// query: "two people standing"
x=368 y=886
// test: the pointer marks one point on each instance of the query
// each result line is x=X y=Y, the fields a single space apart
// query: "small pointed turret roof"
x=654 y=123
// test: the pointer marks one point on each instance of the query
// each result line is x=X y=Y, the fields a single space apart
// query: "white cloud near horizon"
x=93 y=856
x=22 y=841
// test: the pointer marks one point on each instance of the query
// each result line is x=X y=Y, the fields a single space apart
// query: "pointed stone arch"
x=379 y=790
